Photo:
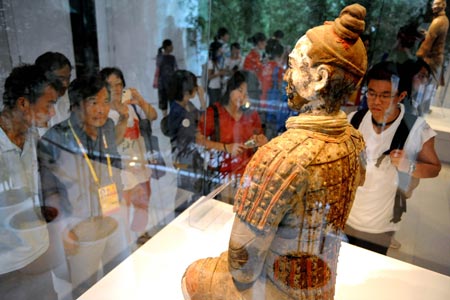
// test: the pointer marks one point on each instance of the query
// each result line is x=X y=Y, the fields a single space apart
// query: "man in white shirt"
x=29 y=99
x=371 y=222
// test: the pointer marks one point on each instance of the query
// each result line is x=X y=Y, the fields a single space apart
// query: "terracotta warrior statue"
x=297 y=190
x=433 y=47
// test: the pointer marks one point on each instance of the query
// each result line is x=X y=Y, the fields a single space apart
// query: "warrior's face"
x=299 y=75
x=438 y=6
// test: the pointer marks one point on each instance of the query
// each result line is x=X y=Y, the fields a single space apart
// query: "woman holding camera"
x=231 y=130
x=127 y=108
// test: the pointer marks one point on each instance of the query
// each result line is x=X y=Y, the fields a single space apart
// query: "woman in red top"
x=239 y=132
x=255 y=59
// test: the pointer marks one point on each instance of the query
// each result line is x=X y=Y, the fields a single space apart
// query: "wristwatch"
x=412 y=167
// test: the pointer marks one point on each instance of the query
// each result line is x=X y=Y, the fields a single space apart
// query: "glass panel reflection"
x=199 y=89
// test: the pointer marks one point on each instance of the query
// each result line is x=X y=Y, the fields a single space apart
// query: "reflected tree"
x=243 y=18
x=294 y=17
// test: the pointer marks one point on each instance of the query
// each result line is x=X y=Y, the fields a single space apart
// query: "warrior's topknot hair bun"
x=350 y=23
x=337 y=43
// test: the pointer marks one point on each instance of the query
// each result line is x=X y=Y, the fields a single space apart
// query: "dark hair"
x=222 y=31
x=383 y=71
x=181 y=82
x=213 y=49
x=51 y=61
x=165 y=44
x=235 y=81
x=408 y=35
x=257 y=37
x=235 y=45
x=274 y=48
x=106 y=72
x=386 y=71
x=409 y=69
x=83 y=87
x=28 y=81
x=278 y=34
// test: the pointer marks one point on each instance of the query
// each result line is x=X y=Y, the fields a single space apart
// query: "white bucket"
x=117 y=247
x=54 y=256
x=89 y=238
x=29 y=225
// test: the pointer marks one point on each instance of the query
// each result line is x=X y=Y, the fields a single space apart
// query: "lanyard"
x=88 y=161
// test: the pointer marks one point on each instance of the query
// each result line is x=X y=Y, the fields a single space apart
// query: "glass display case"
x=203 y=230
x=182 y=64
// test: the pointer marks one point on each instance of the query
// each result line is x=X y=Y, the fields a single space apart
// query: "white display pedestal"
x=439 y=120
x=154 y=271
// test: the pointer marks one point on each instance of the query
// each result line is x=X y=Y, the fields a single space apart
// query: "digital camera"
x=126 y=95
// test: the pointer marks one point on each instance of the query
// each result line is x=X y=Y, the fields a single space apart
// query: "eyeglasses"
x=371 y=95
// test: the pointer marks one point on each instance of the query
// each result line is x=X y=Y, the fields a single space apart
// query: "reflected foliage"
x=294 y=18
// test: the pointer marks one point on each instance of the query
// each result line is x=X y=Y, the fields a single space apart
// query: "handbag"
x=212 y=177
x=156 y=78
x=155 y=159
x=165 y=126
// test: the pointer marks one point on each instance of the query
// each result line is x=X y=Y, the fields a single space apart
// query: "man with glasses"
x=398 y=146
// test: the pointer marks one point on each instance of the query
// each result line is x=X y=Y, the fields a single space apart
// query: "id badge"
x=109 y=198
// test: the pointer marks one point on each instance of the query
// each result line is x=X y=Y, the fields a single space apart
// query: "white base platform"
x=439 y=120
x=154 y=271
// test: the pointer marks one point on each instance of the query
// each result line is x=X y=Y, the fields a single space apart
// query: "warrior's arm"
x=247 y=252
x=249 y=245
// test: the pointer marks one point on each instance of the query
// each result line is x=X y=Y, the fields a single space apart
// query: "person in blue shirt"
x=182 y=124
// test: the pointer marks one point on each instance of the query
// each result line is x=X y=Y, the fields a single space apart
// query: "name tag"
x=109 y=198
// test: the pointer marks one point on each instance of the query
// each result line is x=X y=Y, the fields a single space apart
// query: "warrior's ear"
x=321 y=77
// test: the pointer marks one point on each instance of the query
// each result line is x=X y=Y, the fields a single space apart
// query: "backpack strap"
x=145 y=130
x=135 y=110
x=402 y=132
x=407 y=183
x=357 y=117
